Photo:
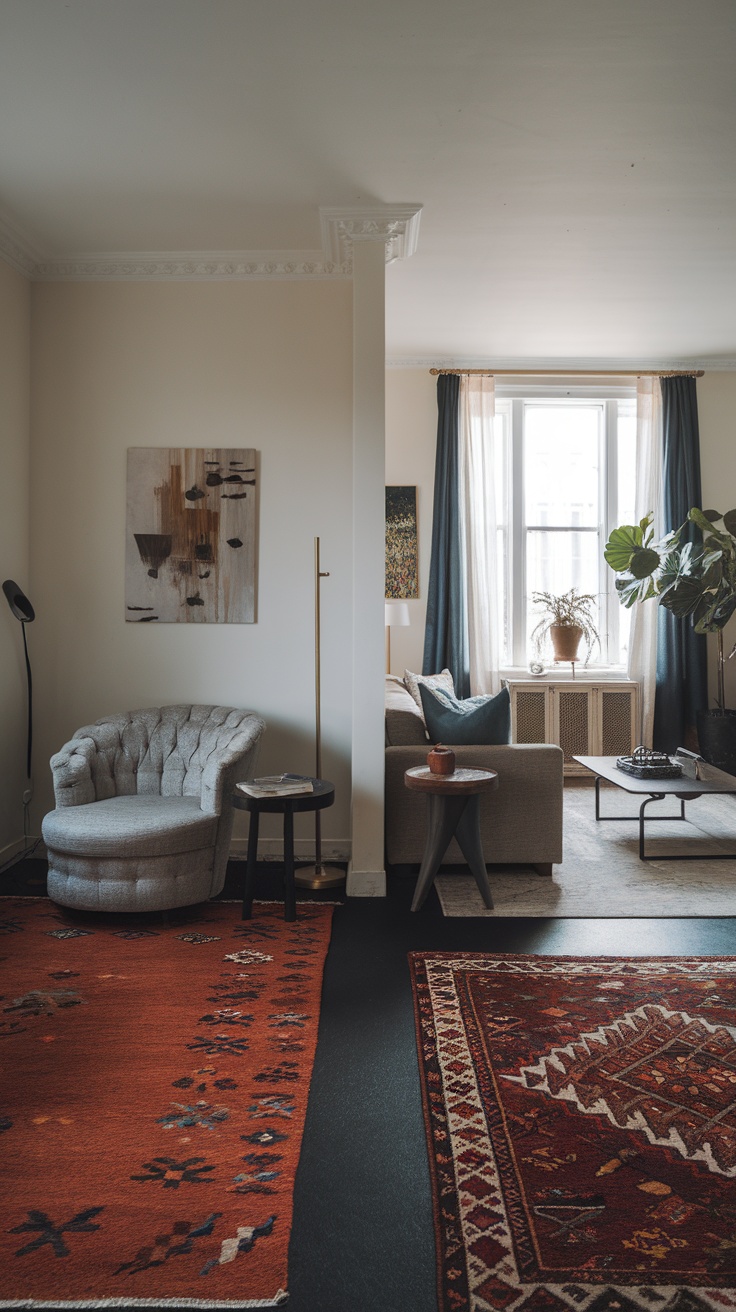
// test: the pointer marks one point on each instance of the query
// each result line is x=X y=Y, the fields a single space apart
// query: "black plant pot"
x=717 y=738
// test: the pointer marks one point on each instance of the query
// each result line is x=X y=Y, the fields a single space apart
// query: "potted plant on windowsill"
x=698 y=582
x=567 y=619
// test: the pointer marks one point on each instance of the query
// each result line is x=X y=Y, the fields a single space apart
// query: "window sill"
x=587 y=674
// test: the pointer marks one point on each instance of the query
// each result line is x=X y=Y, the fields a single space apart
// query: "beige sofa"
x=521 y=820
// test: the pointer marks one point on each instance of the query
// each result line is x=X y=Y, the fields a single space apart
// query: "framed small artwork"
x=190 y=536
x=402 y=556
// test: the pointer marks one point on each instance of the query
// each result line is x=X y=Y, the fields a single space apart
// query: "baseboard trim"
x=365 y=883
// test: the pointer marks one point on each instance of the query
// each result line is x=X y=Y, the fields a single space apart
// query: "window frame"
x=511 y=399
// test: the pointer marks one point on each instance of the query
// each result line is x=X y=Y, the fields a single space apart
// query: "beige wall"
x=14 y=547
x=261 y=364
x=716 y=416
x=411 y=438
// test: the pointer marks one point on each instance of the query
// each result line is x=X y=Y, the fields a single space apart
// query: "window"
x=564 y=477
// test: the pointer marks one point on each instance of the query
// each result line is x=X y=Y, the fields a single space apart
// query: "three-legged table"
x=454 y=812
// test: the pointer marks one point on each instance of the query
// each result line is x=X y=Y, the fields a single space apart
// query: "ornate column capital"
x=397 y=226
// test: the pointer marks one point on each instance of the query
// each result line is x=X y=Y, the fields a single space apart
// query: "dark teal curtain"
x=682 y=682
x=446 y=634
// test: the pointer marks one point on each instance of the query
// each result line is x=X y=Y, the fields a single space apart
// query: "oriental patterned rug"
x=152 y=1102
x=581 y=1123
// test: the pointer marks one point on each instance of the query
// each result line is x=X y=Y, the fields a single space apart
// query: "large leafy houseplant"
x=695 y=581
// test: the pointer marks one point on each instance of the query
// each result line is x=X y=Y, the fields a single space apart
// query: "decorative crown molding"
x=187 y=266
x=397 y=226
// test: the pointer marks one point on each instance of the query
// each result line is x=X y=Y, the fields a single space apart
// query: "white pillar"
x=366 y=875
x=373 y=236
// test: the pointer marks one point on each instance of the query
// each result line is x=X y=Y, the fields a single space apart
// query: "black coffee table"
x=323 y=795
x=684 y=789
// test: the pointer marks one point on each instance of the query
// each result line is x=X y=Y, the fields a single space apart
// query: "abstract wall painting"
x=190 y=536
x=402 y=556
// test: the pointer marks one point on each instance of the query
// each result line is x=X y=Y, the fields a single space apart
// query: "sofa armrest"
x=521 y=820
x=232 y=763
x=72 y=773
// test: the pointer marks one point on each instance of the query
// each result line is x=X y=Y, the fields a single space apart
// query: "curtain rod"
x=570 y=373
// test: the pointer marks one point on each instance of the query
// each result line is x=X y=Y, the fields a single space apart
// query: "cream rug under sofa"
x=601 y=874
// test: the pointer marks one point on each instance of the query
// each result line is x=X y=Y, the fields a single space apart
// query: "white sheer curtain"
x=642 y=664
x=478 y=502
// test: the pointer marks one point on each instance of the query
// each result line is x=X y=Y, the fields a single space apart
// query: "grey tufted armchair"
x=143 y=815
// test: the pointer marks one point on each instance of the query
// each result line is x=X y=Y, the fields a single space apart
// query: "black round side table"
x=323 y=795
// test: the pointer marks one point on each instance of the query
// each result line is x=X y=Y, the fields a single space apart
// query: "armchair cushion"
x=135 y=826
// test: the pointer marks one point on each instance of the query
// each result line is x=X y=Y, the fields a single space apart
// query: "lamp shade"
x=397 y=614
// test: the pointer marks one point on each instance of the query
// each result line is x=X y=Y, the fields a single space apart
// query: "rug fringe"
x=280 y=1298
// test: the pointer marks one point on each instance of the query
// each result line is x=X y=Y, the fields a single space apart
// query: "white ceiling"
x=576 y=159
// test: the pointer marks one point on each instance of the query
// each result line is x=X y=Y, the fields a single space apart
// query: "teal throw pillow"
x=474 y=722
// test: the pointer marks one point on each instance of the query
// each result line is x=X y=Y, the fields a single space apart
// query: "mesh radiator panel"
x=573 y=715
x=616 y=723
x=531 y=720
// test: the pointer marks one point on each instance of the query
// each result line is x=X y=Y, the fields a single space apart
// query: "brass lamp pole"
x=319 y=875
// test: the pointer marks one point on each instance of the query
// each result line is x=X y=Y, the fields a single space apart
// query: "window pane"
x=626 y=462
x=557 y=562
x=561 y=464
x=501 y=475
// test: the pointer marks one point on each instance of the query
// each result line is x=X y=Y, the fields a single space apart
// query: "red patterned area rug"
x=152 y=1102
x=581 y=1122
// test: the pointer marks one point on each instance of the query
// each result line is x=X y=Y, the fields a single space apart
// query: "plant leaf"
x=622 y=544
x=729 y=522
x=644 y=562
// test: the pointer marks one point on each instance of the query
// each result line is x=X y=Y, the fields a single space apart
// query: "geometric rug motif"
x=152 y=1102
x=581 y=1130
x=670 y=1075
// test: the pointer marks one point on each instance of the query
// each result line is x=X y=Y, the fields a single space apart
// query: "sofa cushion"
x=475 y=721
x=404 y=721
x=130 y=826
x=442 y=680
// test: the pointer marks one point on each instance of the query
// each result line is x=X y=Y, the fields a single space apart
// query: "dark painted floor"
x=362 y=1238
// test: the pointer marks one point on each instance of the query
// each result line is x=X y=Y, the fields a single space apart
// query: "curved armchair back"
x=167 y=751
x=144 y=810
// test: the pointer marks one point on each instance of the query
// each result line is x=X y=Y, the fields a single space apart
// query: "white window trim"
x=563 y=389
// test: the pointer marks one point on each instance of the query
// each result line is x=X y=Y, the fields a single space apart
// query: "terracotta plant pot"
x=441 y=760
x=565 y=641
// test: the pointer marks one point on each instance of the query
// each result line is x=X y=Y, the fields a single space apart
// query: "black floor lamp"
x=23 y=611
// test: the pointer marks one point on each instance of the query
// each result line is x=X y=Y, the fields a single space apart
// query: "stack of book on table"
x=277 y=785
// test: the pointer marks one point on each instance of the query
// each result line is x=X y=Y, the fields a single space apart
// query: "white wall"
x=260 y=364
x=14 y=547
x=411 y=439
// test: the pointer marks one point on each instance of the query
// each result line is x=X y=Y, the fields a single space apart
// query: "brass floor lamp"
x=321 y=874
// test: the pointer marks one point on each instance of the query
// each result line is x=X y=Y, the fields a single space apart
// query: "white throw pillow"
x=442 y=680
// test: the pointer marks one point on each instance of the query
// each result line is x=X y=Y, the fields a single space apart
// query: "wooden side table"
x=322 y=796
x=454 y=811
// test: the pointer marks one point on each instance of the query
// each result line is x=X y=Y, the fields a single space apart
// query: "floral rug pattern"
x=152 y=1102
